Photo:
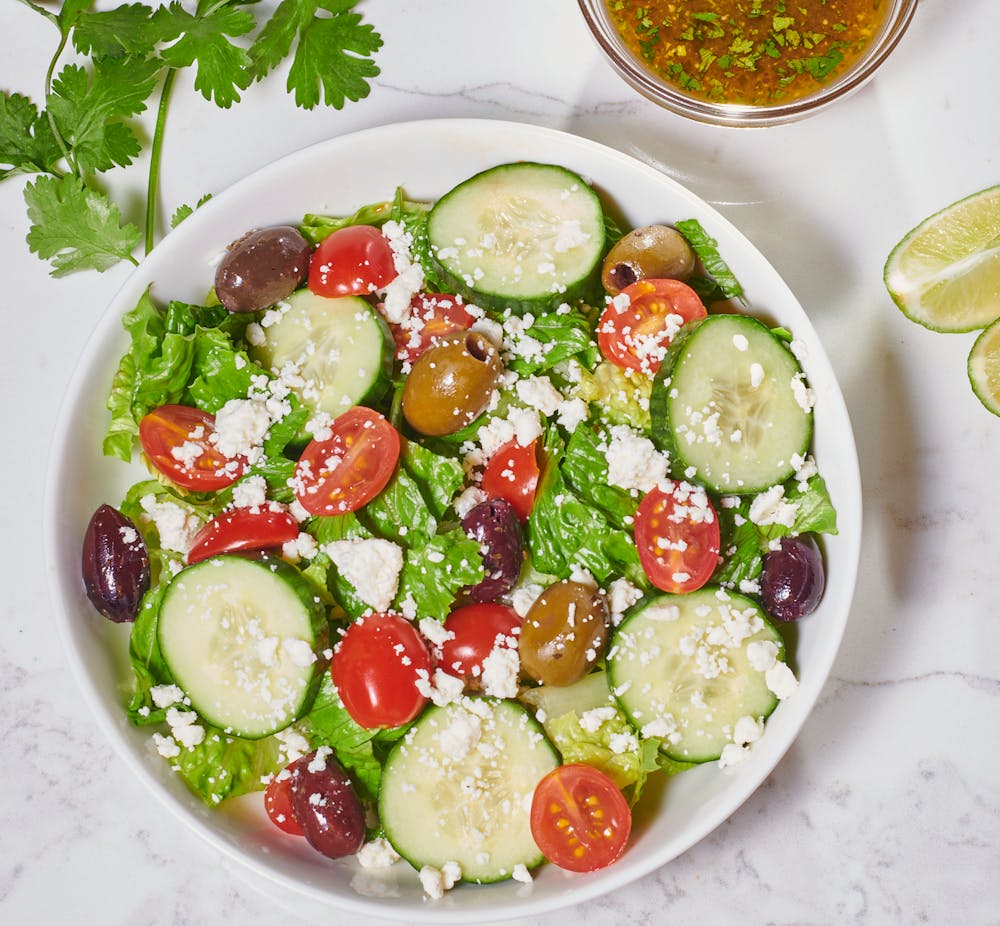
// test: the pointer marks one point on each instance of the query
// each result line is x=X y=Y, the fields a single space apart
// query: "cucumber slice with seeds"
x=240 y=638
x=521 y=236
x=334 y=353
x=458 y=788
x=681 y=662
x=731 y=406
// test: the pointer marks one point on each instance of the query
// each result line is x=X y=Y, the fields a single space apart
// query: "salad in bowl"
x=460 y=528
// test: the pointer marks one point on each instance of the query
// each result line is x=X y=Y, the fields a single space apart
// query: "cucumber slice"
x=458 y=788
x=339 y=352
x=240 y=637
x=730 y=402
x=682 y=660
x=521 y=236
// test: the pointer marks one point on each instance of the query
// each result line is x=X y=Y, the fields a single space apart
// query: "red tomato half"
x=348 y=469
x=677 y=535
x=579 y=818
x=243 y=529
x=512 y=473
x=637 y=338
x=278 y=802
x=353 y=261
x=477 y=629
x=176 y=439
x=433 y=316
x=375 y=668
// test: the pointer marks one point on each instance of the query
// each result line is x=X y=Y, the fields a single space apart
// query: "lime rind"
x=945 y=273
x=984 y=367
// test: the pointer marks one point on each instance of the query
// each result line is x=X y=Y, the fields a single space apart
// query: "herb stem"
x=52 y=17
x=63 y=39
x=155 y=155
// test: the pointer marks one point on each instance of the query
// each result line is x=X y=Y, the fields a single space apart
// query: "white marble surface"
x=887 y=808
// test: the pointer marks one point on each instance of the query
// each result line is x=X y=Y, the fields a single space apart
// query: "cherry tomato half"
x=512 y=473
x=579 y=818
x=243 y=529
x=433 y=316
x=376 y=667
x=637 y=338
x=353 y=261
x=677 y=535
x=477 y=629
x=349 y=468
x=176 y=439
x=278 y=802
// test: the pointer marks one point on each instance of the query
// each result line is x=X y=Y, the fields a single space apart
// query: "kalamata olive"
x=653 y=252
x=494 y=524
x=325 y=806
x=115 y=565
x=451 y=384
x=793 y=579
x=262 y=267
x=564 y=633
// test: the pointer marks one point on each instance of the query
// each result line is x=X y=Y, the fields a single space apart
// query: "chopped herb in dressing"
x=752 y=52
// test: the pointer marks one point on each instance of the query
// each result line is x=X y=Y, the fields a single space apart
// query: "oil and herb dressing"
x=751 y=52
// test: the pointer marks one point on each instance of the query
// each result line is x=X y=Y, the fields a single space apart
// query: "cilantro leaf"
x=184 y=210
x=89 y=110
x=118 y=33
x=332 y=59
x=202 y=38
x=27 y=145
x=76 y=227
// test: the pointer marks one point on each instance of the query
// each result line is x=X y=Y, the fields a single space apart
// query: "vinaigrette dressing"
x=751 y=52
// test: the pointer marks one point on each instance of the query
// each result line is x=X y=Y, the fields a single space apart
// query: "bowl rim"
x=645 y=81
x=65 y=591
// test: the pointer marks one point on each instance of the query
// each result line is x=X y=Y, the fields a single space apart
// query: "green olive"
x=655 y=252
x=564 y=633
x=451 y=384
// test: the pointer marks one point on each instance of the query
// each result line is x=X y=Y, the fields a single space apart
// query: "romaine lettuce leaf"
x=616 y=395
x=586 y=468
x=565 y=531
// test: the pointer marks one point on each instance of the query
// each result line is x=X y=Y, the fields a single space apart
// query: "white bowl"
x=427 y=159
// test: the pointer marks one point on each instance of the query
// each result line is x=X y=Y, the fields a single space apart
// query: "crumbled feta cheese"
x=633 y=460
x=442 y=689
x=372 y=566
x=377 y=853
x=756 y=375
x=250 y=492
x=747 y=730
x=166 y=746
x=461 y=736
x=500 y=670
x=523 y=597
x=804 y=396
x=732 y=754
x=176 y=525
x=770 y=507
x=435 y=881
x=622 y=594
x=302 y=547
x=521 y=873
x=468 y=500
x=539 y=393
x=240 y=428
x=762 y=654
x=165 y=695
x=434 y=632
x=781 y=681
x=596 y=717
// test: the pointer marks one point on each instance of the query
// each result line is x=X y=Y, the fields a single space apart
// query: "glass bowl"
x=651 y=85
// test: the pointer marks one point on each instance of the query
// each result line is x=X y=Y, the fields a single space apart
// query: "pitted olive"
x=451 y=384
x=262 y=267
x=653 y=252
x=564 y=633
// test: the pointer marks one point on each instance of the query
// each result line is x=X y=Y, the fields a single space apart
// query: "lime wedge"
x=945 y=274
x=984 y=367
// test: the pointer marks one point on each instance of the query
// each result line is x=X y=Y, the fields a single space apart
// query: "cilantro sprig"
x=131 y=57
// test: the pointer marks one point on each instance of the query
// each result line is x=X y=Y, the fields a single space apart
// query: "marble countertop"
x=887 y=807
